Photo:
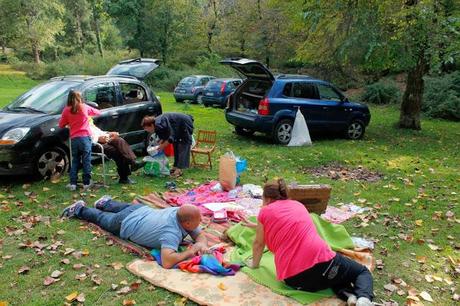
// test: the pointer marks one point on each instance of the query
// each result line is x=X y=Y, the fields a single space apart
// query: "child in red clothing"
x=303 y=260
x=76 y=116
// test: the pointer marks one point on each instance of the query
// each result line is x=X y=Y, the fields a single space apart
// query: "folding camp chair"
x=95 y=154
x=205 y=145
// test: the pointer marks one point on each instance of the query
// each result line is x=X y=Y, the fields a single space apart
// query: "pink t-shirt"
x=291 y=235
x=79 y=122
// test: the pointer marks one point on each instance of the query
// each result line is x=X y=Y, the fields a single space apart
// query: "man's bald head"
x=189 y=217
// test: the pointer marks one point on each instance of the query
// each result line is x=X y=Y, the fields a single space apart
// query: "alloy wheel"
x=52 y=163
x=355 y=130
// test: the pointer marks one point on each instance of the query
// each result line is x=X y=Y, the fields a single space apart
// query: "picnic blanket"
x=335 y=235
x=213 y=263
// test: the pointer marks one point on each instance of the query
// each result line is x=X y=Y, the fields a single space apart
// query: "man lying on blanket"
x=153 y=228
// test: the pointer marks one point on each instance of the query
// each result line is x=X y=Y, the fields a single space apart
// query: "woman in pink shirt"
x=303 y=260
x=76 y=116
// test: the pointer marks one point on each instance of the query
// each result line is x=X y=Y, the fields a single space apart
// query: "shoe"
x=176 y=173
x=99 y=204
x=71 y=187
x=86 y=187
x=137 y=165
x=126 y=181
x=70 y=211
x=351 y=301
x=364 y=301
x=171 y=186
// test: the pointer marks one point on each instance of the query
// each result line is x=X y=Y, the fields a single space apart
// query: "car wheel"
x=52 y=162
x=283 y=131
x=243 y=132
x=179 y=100
x=355 y=130
x=199 y=98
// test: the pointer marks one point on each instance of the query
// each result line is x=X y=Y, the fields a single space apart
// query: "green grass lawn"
x=412 y=207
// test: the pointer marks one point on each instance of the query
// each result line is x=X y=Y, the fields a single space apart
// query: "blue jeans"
x=81 y=154
x=111 y=217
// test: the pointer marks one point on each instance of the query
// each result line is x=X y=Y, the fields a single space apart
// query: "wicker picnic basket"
x=314 y=197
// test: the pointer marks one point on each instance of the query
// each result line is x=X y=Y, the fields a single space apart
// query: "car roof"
x=198 y=76
x=296 y=77
x=227 y=79
x=86 y=78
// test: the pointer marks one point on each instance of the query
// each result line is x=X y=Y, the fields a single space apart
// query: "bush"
x=86 y=64
x=441 y=98
x=381 y=92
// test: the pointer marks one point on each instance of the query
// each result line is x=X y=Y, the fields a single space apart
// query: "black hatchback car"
x=268 y=104
x=31 y=141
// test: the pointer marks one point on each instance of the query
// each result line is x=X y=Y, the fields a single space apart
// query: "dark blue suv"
x=268 y=104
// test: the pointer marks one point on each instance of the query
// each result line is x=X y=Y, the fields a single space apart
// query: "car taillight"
x=193 y=89
x=222 y=88
x=264 y=109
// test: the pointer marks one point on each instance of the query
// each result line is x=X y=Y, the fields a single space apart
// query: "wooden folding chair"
x=205 y=145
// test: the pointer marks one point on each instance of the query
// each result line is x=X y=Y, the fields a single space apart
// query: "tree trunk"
x=36 y=52
x=412 y=99
x=98 y=36
x=79 y=32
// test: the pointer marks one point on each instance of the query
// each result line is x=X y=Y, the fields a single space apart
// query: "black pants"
x=342 y=274
x=120 y=151
x=182 y=155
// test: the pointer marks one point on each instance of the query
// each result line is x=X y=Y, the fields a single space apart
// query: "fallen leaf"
x=419 y=222
x=117 y=265
x=78 y=266
x=49 y=280
x=81 y=298
x=96 y=279
x=433 y=247
x=456 y=297
x=429 y=278
x=124 y=290
x=45 y=189
x=420 y=259
x=221 y=286
x=426 y=296
x=134 y=286
x=3 y=303
x=68 y=251
x=129 y=302
x=124 y=283
x=71 y=297
x=65 y=261
x=180 y=301
x=390 y=287
x=23 y=270
x=114 y=286
x=56 y=274
x=85 y=252
x=81 y=277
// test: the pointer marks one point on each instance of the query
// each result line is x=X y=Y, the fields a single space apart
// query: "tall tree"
x=41 y=21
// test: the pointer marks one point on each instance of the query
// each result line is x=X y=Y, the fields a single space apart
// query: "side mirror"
x=345 y=99
x=92 y=104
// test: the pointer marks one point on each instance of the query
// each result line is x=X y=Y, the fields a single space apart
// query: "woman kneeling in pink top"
x=303 y=259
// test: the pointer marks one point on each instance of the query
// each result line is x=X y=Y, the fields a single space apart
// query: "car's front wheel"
x=355 y=130
x=283 y=131
x=51 y=162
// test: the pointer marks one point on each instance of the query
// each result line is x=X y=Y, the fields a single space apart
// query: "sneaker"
x=352 y=299
x=87 y=187
x=71 y=210
x=127 y=181
x=364 y=301
x=71 y=187
x=99 y=204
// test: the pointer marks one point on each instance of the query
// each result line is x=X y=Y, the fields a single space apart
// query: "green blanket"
x=335 y=235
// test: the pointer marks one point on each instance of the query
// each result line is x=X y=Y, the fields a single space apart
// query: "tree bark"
x=98 y=36
x=79 y=32
x=413 y=96
x=36 y=52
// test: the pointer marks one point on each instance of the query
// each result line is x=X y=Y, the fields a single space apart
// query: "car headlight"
x=14 y=135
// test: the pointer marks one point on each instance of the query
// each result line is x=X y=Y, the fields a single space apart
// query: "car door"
x=335 y=114
x=105 y=95
x=135 y=104
x=304 y=95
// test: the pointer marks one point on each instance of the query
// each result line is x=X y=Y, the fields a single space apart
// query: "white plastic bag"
x=300 y=135
x=157 y=165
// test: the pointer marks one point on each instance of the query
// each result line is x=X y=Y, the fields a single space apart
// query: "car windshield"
x=188 y=81
x=213 y=84
x=49 y=98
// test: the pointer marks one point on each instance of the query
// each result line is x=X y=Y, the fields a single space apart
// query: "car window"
x=236 y=83
x=50 y=97
x=230 y=86
x=304 y=90
x=328 y=93
x=132 y=93
x=204 y=81
x=188 y=81
x=287 y=91
x=103 y=94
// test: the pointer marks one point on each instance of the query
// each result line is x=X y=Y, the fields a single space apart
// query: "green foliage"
x=78 y=64
x=382 y=92
x=441 y=98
